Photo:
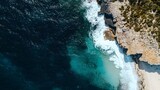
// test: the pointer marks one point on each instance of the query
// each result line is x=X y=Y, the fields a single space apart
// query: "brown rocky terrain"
x=108 y=35
x=134 y=42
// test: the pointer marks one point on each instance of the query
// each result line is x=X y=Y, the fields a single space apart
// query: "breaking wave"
x=128 y=77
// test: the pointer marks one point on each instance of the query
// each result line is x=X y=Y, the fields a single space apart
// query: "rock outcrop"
x=128 y=38
x=108 y=35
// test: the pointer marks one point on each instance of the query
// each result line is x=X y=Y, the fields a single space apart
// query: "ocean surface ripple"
x=58 y=45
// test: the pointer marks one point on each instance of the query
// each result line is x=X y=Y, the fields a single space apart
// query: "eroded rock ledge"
x=128 y=38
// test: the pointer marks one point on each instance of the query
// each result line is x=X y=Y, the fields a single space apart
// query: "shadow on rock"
x=149 y=68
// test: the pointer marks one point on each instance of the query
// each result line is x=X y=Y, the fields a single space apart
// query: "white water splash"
x=128 y=77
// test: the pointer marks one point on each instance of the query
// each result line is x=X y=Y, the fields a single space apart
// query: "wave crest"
x=128 y=76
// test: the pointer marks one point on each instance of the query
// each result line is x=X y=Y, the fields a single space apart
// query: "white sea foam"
x=128 y=76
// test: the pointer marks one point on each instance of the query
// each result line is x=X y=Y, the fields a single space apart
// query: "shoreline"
x=148 y=80
x=121 y=61
x=149 y=75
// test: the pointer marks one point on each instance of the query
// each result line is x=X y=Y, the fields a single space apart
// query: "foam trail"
x=128 y=76
x=94 y=66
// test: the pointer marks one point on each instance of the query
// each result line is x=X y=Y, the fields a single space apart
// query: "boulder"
x=108 y=35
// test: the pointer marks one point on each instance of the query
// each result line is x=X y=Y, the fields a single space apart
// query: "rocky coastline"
x=144 y=49
x=137 y=44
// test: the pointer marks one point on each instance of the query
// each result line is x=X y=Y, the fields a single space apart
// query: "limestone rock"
x=134 y=42
x=108 y=35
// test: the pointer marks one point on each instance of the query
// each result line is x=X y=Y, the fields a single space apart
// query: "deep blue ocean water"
x=34 y=40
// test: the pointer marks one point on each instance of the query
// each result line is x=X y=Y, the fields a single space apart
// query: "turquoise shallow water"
x=91 y=63
x=94 y=66
x=125 y=78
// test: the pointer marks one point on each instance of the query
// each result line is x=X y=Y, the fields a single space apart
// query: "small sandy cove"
x=149 y=76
